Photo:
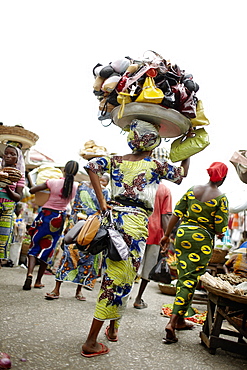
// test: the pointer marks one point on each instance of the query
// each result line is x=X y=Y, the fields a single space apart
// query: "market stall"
x=226 y=316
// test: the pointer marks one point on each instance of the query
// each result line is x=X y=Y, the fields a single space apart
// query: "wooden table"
x=224 y=306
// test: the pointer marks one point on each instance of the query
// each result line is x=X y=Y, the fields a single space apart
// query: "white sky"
x=49 y=48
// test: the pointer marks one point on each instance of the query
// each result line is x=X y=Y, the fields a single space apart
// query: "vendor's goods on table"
x=154 y=90
x=232 y=278
x=217 y=283
x=9 y=175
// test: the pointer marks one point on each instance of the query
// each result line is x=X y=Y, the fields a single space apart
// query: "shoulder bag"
x=89 y=230
x=184 y=147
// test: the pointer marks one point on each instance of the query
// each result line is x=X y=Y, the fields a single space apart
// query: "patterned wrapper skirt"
x=193 y=247
x=119 y=276
x=6 y=227
x=45 y=232
x=77 y=267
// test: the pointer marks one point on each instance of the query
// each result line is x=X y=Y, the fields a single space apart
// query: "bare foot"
x=92 y=348
x=111 y=335
x=184 y=325
x=170 y=335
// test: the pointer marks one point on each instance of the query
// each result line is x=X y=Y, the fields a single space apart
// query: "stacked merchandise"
x=152 y=80
x=156 y=91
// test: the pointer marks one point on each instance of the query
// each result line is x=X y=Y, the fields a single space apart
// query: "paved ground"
x=49 y=334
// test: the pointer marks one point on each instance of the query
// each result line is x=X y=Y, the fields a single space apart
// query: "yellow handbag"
x=184 y=147
x=200 y=119
x=150 y=93
x=123 y=98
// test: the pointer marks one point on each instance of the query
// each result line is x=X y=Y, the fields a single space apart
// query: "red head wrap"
x=217 y=171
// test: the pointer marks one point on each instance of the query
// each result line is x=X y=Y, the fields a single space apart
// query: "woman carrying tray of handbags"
x=76 y=266
x=134 y=180
x=10 y=194
x=204 y=213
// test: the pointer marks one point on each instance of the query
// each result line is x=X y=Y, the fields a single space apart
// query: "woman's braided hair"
x=71 y=168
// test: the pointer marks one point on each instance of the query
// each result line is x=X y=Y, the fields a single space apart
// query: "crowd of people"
x=134 y=187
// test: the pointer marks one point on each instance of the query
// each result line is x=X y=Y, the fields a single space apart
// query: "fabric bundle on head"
x=143 y=136
x=217 y=171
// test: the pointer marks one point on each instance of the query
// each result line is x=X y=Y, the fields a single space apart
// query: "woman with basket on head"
x=48 y=225
x=204 y=213
x=134 y=180
x=12 y=182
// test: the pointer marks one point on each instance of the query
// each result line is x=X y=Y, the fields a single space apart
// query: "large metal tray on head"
x=172 y=123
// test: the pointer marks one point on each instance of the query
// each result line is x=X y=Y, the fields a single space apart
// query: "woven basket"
x=218 y=256
x=18 y=134
x=167 y=289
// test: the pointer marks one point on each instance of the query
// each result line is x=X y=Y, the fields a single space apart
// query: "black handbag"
x=161 y=272
x=99 y=243
x=117 y=250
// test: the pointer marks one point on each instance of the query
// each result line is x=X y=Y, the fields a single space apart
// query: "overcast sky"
x=49 y=48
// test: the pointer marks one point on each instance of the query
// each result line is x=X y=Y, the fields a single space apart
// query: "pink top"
x=162 y=206
x=55 y=200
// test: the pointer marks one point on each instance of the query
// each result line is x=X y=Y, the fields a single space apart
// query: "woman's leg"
x=78 y=293
x=40 y=274
x=112 y=332
x=31 y=264
x=30 y=268
x=91 y=345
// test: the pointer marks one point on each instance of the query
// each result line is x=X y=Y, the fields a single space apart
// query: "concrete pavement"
x=49 y=334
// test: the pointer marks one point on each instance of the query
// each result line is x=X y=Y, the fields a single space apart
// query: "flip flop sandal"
x=107 y=335
x=140 y=305
x=80 y=297
x=38 y=286
x=169 y=341
x=28 y=283
x=104 y=351
x=51 y=296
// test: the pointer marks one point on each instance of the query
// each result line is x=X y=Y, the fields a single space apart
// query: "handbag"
x=71 y=236
x=184 y=147
x=99 y=243
x=239 y=160
x=200 y=119
x=150 y=93
x=89 y=230
x=161 y=272
x=117 y=248
x=122 y=99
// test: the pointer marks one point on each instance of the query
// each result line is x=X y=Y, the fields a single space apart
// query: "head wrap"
x=217 y=171
x=143 y=136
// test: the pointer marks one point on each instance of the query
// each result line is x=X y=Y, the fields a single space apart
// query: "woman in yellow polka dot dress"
x=204 y=213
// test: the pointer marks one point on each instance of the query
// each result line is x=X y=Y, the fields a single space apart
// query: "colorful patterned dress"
x=133 y=186
x=75 y=266
x=7 y=207
x=195 y=241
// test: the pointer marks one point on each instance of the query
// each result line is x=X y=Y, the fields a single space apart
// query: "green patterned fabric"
x=195 y=241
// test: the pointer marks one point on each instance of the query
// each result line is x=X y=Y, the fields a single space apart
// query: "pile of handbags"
x=150 y=80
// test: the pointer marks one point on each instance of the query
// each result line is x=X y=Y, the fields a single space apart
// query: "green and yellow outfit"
x=195 y=241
